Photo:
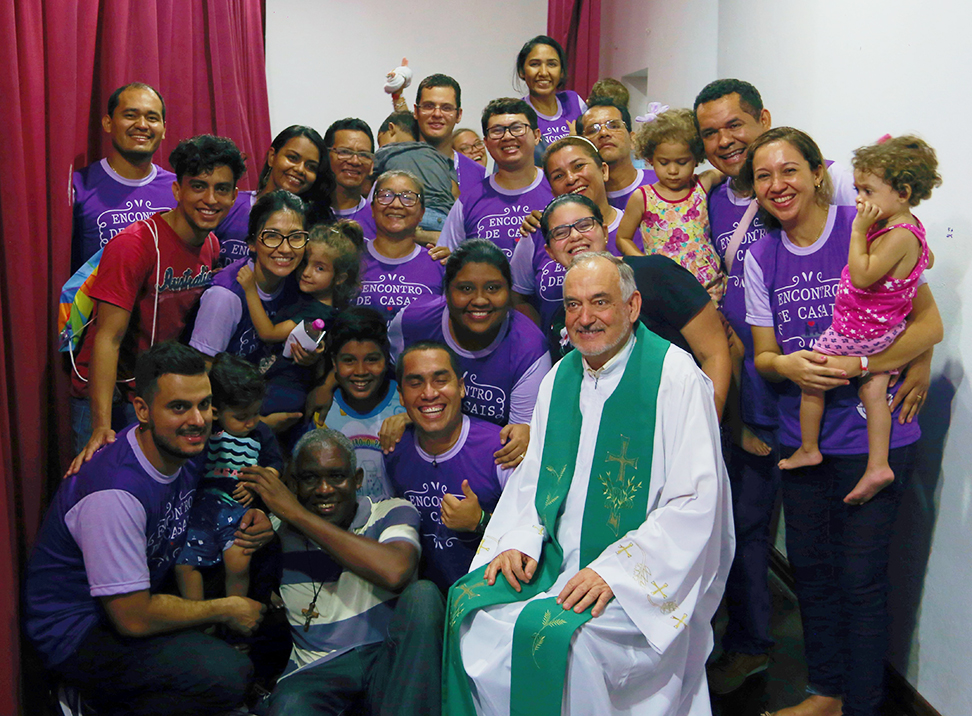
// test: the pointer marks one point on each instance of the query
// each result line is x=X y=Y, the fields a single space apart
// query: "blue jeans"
x=755 y=482
x=839 y=555
x=122 y=415
x=184 y=673
x=401 y=675
x=432 y=220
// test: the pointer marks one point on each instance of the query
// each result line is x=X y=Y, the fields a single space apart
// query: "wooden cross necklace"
x=311 y=612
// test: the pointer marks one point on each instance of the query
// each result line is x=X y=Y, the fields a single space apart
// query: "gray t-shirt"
x=431 y=166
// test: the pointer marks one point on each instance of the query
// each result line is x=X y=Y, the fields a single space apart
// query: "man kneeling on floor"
x=363 y=631
x=93 y=608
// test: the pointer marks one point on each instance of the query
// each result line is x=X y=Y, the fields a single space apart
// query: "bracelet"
x=864 y=370
x=483 y=520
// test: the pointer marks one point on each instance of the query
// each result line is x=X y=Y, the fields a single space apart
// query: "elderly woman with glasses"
x=276 y=238
x=395 y=270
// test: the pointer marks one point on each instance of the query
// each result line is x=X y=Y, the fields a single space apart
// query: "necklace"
x=311 y=612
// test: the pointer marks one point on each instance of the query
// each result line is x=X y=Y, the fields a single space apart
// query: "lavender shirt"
x=114 y=528
x=424 y=480
x=502 y=379
x=471 y=173
x=388 y=285
x=569 y=107
x=619 y=198
x=233 y=229
x=491 y=212
x=105 y=203
x=791 y=289
x=360 y=213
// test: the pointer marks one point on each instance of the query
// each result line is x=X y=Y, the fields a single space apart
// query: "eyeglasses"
x=271 y=238
x=345 y=155
x=478 y=144
x=387 y=196
x=560 y=233
x=498 y=131
x=430 y=107
x=613 y=124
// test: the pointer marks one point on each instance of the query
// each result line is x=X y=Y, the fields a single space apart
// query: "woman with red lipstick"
x=293 y=163
x=502 y=353
x=839 y=551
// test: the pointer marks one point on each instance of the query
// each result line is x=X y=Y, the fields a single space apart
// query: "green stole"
x=617 y=501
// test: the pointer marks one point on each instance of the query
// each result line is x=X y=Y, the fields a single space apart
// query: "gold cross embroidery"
x=658 y=590
x=680 y=621
x=624 y=548
x=482 y=547
x=622 y=459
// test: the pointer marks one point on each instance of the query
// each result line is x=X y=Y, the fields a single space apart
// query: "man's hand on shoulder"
x=515 y=566
x=99 y=438
x=584 y=589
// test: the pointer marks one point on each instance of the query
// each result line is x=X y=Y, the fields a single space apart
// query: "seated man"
x=627 y=521
x=362 y=629
x=92 y=604
x=444 y=463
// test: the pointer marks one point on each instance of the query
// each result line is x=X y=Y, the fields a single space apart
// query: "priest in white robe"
x=636 y=604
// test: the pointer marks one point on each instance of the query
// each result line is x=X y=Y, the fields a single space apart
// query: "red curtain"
x=576 y=25
x=59 y=62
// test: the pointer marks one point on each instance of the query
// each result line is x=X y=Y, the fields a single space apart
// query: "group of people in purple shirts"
x=400 y=425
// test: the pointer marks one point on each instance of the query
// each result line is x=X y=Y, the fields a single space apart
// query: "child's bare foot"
x=814 y=706
x=752 y=444
x=875 y=479
x=801 y=458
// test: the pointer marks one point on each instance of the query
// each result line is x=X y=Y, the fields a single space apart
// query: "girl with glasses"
x=276 y=238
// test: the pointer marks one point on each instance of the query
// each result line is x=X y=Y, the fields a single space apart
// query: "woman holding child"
x=838 y=547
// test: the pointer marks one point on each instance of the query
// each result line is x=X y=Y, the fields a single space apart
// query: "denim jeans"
x=432 y=219
x=122 y=415
x=755 y=482
x=182 y=673
x=839 y=555
x=401 y=675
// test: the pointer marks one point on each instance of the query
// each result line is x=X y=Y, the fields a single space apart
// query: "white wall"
x=327 y=59
x=847 y=72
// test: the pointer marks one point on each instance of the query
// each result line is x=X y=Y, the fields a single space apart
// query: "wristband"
x=864 y=370
x=483 y=520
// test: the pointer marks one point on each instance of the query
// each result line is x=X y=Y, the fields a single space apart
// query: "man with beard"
x=93 y=606
x=125 y=186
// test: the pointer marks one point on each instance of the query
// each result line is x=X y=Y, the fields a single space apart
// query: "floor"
x=784 y=682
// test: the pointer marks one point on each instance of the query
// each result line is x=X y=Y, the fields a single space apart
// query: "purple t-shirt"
x=758 y=397
x=502 y=380
x=425 y=480
x=569 y=107
x=619 y=198
x=791 y=289
x=489 y=211
x=224 y=324
x=233 y=229
x=471 y=173
x=105 y=203
x=114 y=528
x=362 y=214
x=388 y=285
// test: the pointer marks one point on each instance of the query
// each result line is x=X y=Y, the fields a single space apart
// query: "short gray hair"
x=392 y=173
x=626 y=277
x=320 y=437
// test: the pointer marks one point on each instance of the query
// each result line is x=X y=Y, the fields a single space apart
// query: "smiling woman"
x=276 y=238
x=542 y=65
